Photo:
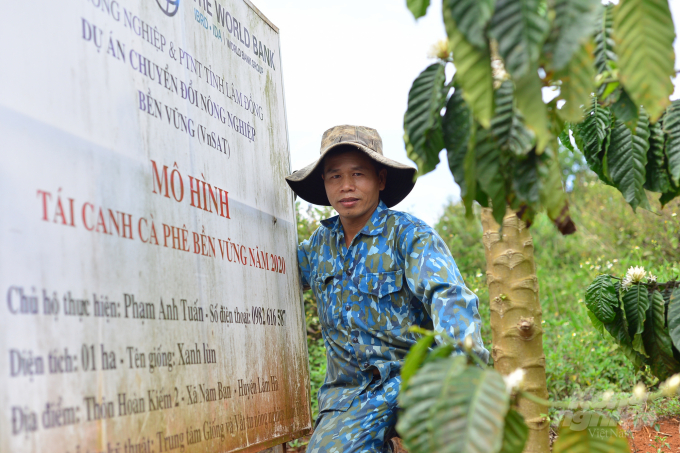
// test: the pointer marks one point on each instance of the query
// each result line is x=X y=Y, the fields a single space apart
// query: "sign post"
x=151 y=300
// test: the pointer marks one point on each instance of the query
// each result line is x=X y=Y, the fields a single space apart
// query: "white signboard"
x=150 y=293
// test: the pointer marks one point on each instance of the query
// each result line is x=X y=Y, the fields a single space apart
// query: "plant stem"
x=588 y=405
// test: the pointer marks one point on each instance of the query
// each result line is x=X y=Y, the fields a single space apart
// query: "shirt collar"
x=374 y=226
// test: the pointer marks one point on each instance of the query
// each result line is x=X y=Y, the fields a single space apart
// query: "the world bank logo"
x=169 y=7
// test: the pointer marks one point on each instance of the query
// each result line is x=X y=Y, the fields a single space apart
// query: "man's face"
x=352 y=184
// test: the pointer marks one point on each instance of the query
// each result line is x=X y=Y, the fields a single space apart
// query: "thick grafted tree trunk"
x=516 y=316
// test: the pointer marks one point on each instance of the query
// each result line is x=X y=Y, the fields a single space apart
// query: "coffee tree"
x=533 y=77
x=642 y=316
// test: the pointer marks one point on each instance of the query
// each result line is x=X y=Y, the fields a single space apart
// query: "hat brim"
x=308 y=184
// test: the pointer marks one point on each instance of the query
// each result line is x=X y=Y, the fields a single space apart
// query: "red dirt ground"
x=648 y=440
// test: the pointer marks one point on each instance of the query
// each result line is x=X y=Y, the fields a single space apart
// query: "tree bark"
x=516 y=316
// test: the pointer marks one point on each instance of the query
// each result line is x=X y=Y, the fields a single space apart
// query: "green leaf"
x=656 y=177
x=456 y=126
x=490 y=178
x=635 y=304
x=618 y=328
x=525 y=181
x=453 y=408
x=520 y=27
x=470 y=165
x=601 y=298
x=473 y=72
x=593 y=130
x=592 y=136
x=644 y=34
x=674 y=318
x=529 y=101
x=599 y=325
x=604 y=437
x=657 y=340
x=624 y=109
x=577 y=83
x=552 y=193
x=507 y=125
x=565 y=140
x=671 y=126
x=515 y=432
x=605 y=57
x=575 y=21
x=422 y=121
x=442 y=351
x=414 y=359
x=418 y=7
x=626 y=160
x=472 y=17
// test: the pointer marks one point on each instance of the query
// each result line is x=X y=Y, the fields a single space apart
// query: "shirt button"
x=347 y=307
x=348 y=272
x=365 y=364
x=355 y=340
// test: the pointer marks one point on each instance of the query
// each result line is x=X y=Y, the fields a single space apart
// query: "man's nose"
x=347 y=185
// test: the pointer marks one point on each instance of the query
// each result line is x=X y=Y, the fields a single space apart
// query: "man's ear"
x=382 y=177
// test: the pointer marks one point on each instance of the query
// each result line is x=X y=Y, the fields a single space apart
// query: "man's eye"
x=358 y=174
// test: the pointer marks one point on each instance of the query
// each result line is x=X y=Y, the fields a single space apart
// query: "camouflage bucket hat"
x=308 y=184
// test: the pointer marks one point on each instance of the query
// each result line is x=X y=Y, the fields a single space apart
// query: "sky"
x=353 y=62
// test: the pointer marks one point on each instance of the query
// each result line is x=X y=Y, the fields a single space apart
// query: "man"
x=375 y=273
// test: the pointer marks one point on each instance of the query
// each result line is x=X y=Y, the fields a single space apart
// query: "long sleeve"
x=303 y=263
x=434 y=278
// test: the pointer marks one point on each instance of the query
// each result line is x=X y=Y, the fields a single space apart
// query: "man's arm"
x=434 y=278
x=303 y=264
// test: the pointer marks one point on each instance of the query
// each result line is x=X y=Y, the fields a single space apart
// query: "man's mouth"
x=349 y=202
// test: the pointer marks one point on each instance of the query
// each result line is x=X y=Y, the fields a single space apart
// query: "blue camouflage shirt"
x=396 y=273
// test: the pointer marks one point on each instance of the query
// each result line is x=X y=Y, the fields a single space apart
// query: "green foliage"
x=529 y=96
x=418 y=7
x=644 y=158
x=575 y=21
x=452 y=407
x=674 y=319
x=473 y=72
x=635 y=303
x=415 y=358
x=671 y=126
x=605 y=57
x=515 y=432
x=508 y=124
x=578 y=77
x=520 y=27
x=625 y=161
x=644 y=34
x=638 y=322
x=602 y=298
x=472 y=17
x=575 y=48
x=422 y=122
x=657 y=339
x=456 y=138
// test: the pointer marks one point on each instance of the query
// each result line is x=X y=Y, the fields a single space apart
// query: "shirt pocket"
x=386 y=307
x=323 y=286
